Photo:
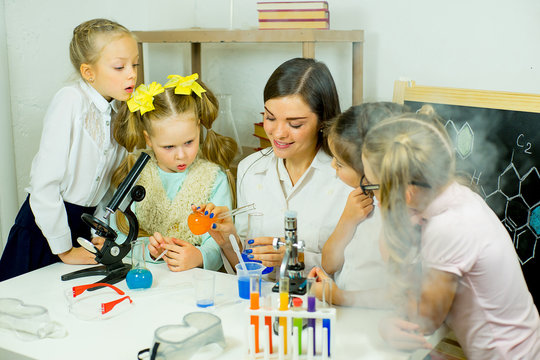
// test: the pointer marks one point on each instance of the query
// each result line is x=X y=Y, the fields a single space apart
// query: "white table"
x=169 y=299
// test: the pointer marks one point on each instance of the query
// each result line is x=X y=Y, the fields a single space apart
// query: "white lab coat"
x=319 y=198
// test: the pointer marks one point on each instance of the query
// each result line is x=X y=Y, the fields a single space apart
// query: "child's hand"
x=402 y=334
x=358 y=206
x=154 y=245
x=77 y=256
x=98 y=242
x=181 y=255
x=221 y=228
x=317 y=288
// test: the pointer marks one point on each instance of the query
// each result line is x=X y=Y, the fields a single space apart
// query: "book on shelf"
x=294 y=14
x=259 y=132
x=292 y=5
x=266 y=24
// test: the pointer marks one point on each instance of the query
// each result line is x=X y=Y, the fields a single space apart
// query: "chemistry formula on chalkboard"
x=500 y=151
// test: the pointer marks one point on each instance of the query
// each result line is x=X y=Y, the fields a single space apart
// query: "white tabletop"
x=170 y=298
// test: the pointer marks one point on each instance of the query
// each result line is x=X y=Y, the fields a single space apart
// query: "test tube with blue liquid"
x=139 y=277
x=327 y=303
x=311 y=307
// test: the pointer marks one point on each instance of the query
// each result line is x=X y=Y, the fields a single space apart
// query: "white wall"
x=8 y=193
x=482 y=44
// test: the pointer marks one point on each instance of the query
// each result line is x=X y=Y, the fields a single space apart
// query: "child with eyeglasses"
x=352 y=254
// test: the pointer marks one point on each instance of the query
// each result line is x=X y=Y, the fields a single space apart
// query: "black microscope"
x=111 y=253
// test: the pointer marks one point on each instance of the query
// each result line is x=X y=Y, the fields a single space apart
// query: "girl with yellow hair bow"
x=185 y=168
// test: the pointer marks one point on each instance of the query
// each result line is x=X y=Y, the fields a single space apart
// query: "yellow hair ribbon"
x=142 y=98
x=185 y=85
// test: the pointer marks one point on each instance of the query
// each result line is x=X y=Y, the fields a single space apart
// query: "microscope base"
x=114 y=273
x=297 y=286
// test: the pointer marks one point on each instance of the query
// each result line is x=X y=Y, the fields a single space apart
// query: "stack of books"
x=293 y=15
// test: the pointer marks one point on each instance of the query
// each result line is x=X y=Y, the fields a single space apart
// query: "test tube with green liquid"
x=298 y=322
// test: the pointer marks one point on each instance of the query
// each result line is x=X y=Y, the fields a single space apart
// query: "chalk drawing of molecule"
x=517 y=202
x=463 y=138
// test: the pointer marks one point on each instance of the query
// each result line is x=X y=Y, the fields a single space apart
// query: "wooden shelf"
x=307 y=37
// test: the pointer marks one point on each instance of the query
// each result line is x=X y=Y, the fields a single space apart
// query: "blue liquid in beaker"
x=139 y=279
x=246 y=259
x=204 y=303
x=243 y=287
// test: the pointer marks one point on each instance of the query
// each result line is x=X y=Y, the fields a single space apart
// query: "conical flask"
x=139 y=277
x=224 y=124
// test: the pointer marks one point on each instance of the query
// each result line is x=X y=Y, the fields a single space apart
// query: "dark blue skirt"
x=27 y=249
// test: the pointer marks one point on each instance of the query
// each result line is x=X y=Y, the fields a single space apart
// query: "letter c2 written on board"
x=522 y=144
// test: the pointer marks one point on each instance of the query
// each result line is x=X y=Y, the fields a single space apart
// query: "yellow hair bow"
x=142 y=98
x=185 y=85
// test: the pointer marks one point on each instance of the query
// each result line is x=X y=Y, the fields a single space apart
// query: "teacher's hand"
x=263 y=251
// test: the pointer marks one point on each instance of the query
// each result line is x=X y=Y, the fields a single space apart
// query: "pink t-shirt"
x=493 y=314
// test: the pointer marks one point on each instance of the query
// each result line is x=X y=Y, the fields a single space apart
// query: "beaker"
x=139 y=277
x=255 y=229
x=224 y=123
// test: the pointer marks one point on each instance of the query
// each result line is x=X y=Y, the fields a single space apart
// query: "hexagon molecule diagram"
x=517 y=202
x=463 y=138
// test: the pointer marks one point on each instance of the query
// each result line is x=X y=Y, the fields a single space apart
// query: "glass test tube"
x=267 y=301
x=311 y=307
x=327 y=303
x=284 y=306
x=255 y=289
x=298 y=322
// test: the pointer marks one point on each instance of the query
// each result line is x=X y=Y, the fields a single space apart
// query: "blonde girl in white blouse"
x=77 y=155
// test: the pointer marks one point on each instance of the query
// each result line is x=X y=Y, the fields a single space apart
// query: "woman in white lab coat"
x=295 y=173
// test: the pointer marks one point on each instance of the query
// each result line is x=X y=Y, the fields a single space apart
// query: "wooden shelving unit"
x=306 y=37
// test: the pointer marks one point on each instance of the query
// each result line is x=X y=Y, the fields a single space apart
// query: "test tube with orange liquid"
x=255 y=289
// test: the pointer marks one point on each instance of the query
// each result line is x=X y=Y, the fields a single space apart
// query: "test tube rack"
x=290 y=338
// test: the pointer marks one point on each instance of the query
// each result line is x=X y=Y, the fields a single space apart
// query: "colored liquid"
x=297 y=323
x=198 y=223
x=268 y=322
x=311 y=322
x=246 y=259
x=284 y=305
x=204 y=303
x=243 y=287
x=139 y=279
x=326 y=324
x=254 y=305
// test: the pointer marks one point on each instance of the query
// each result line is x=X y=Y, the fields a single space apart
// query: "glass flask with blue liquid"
x=139 y=277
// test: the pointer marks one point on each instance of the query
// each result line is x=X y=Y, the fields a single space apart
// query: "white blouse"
x=319 y=198
x=76 y=158
x=363 y=267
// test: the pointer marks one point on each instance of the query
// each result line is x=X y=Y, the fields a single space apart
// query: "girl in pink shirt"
x=453 y=260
